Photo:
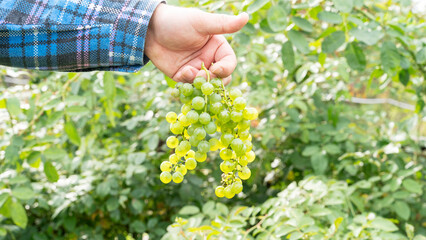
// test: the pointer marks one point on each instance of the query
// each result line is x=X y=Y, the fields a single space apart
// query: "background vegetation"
x=340 y=87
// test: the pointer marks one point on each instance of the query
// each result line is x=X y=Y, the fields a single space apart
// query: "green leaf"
x=34 y=159
x=109 y=85
x=51 y=172
x=112 y=204
x=284 y=230
x=13 y=106
x=77 y=111
x=389 y=56
x=55 y=153
x=72 y=133
x=409 y=229
x=369 y=37
x=332 y=148
x=421 y=56
x=287 y=55
x=23 y=193
x=355 y=57
x=3 y=198
x=258 y=4
x=299 y=41
x=343 y=5
x=402 y=210
x=3 y=232
x=189 y=210
x=19 y=216
x=311 y=150
x=412 y=186
x=319 y=163
x=137 y=205
x=277 y=19
x=330 y=17
x=383 y=224
x=404 y=77
x=170 y=82
x=303 y=24
x=333 y=41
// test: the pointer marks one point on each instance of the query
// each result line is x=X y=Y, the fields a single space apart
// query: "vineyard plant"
x=339 y=140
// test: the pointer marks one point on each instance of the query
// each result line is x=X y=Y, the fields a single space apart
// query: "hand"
x=179 y=40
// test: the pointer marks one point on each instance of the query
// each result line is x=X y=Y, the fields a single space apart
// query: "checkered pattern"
x=75 y=35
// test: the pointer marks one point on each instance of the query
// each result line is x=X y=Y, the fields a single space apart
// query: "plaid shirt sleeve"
x=75 y=35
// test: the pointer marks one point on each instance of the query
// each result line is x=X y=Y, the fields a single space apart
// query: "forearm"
x=66 y=36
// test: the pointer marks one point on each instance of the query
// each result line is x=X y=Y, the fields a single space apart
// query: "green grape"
x=226 y=139
x=178 y=85
x=240 y=104
x=186 y=108
x=203 y=146
x=183 y=120
x=250 y=156
x=166 y=166
x=185 y=145
x=200 y=157
x=210 y=128
x=175 y=93
x=248 y=144
x=205 y=118
x=177 y=177
x=165 y=177
x=198 y=82
x=194 y=141
x=214 y=144
x=237 y=145
x=192 y=116
x=207 y=88
x=217 y=83
x=216 y=108
x=215 y=97
x=228 y=192
x=237 y=187
x=225 y=154
x=235 y=93
x=190 y=154
x=198 y=103
x=190 y=129
x=200 y=133
x=186 y=89
x=224 y=116
x=182 y=169
x=226 y=166
x=236 y=116
x=244 y=125
x=190 y=164
x=220 y=191
x=243 y=161
x=171 y=117
x=180 y=151
x=244 y=173
x=172 y=142
x=173 y=158
x=244 y=135
x=250 y=113
x=176 y=128
x=197 y=93
x=185 y=99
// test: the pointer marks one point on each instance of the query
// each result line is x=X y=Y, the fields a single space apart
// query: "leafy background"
x=341 y=137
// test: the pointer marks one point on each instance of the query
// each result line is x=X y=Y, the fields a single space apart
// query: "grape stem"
x=203 y=67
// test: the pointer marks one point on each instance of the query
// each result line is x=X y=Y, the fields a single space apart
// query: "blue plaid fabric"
x=74 y=35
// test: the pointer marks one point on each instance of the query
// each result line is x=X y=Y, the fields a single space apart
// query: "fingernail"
x=218 y=70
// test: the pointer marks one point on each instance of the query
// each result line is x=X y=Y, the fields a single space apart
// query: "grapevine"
x=211 y=119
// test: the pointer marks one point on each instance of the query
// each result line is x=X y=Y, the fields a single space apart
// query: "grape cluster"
x=211 y=119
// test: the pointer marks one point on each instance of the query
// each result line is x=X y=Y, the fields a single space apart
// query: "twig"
x=382 y=101
x=255 y=226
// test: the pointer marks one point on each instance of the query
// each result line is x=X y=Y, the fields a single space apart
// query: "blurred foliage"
x=80 y=152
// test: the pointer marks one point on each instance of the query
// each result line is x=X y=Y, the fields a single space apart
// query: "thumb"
x=212 y=24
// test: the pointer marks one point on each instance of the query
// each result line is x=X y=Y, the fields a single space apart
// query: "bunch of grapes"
x=211 y=119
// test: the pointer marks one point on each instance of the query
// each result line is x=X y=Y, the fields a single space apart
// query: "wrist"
x=154 y=23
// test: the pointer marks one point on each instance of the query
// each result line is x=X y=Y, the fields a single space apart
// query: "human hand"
x=179 y=40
